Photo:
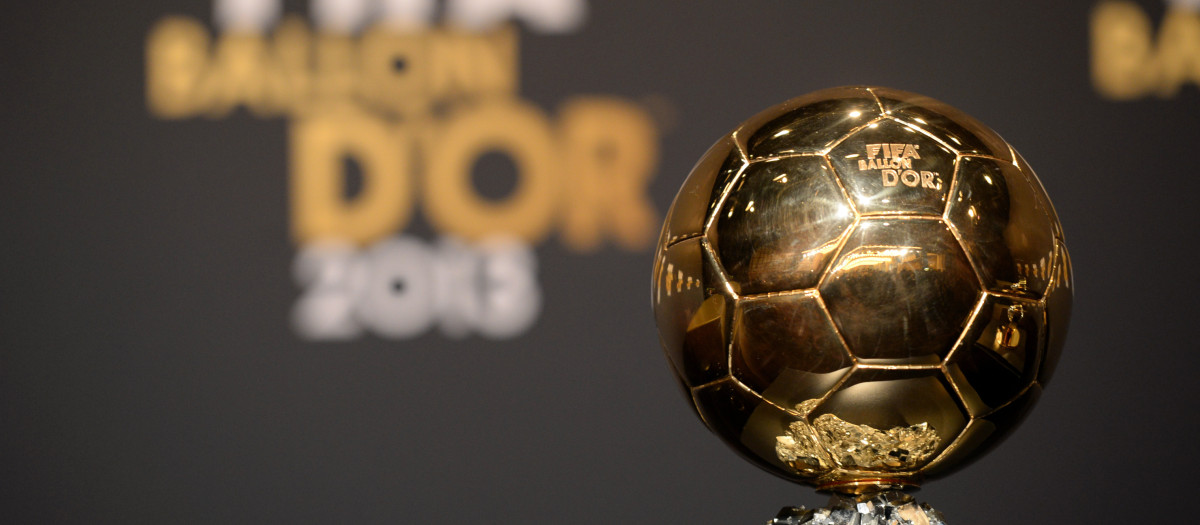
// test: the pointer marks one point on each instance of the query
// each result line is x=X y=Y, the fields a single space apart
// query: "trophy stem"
x=869 y=485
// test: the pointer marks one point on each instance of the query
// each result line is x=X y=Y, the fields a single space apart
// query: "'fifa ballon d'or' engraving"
x=895 y=165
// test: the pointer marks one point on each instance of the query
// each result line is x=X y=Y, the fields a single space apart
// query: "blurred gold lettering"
x=385 y=97
x=1121 y=49
x=1178 y=51
x=1127 y=61
x=336 y=69
x=472 y=64
x=513 y=127
x=292 y=48
x=609 y=160
x=392 y=72
x=294 y=71
x=176 y=57
x=319 y=145
x=240 y=74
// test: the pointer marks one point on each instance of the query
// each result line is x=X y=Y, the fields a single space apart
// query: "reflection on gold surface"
x=1008 y=338
x=893 y=259
x=806 y=447
x=780 y=224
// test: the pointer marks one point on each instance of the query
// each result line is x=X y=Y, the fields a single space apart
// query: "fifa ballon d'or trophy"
x=861 y=289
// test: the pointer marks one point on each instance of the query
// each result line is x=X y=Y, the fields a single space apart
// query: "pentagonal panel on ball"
x=700 y=192
x=1041 y=192
x=892 y=420
x=748 y=424
x=961 y=131
x=890 y=167
x=809 y=124
x=691 y=312
x=900 y=291
x=983 y=434
x=786 y=348
x=1004 y=225
x=1000 y=353
x=780 y=224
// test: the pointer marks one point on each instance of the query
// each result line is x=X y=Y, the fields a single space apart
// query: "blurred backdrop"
x=389 y=260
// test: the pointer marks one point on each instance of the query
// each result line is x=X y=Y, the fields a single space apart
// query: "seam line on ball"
x=879 y=103
x=682 y=238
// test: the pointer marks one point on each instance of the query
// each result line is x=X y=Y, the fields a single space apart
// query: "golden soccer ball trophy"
x=861 y=289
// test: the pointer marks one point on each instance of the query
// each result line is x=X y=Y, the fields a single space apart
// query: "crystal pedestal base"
x=880 y=508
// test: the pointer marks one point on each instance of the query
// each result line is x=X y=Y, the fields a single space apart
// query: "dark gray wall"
x=148 y=372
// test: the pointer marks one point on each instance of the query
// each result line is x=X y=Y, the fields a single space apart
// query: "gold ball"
x=862 y=288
